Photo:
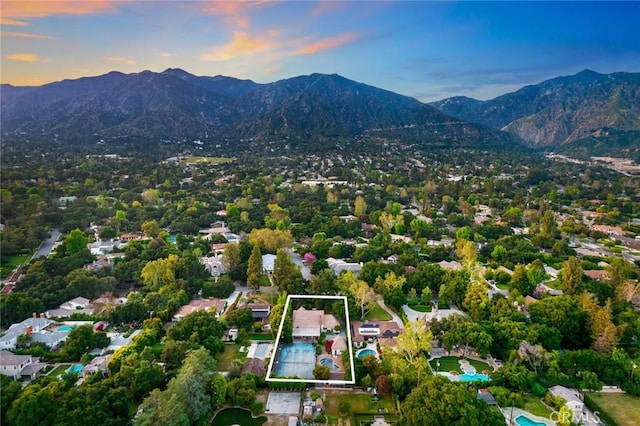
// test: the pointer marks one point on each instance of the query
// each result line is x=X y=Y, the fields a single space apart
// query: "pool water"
x=475 y=377
x=296 y=359
x=75 y=369
x=261 y=350
x=66 y=328
x=328 y=362
x=366 y=352
x=526 y=421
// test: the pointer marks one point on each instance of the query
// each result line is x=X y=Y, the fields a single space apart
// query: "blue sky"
x=428 y=50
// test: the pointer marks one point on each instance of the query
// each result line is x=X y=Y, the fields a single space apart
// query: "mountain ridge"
x=176 y=104
x=558 y=111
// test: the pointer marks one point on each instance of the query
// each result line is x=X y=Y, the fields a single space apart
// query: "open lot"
x=622 y=408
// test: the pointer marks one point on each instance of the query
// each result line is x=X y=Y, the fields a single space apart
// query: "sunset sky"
x=428 y=50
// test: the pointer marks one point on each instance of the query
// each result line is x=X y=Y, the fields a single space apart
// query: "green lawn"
x=505 y=286
x=237 y=416
x=209 y=160
x=621 y=408
x=378 y=313
x=421 y=308
x=533 y=405
x=60 y=370
x=359 y=403
x=230 y=353
x=9 y=263
x=450 y=363
x=261 y=336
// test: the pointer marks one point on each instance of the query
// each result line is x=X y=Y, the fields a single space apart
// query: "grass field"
x=450 y=363
x=533 y=405
x=230 y=353
x=9 y=263
x=378 y=313
x=60 y=370
x=359 y=403
x=261 y=336
x=208 y=160
x=622 y=408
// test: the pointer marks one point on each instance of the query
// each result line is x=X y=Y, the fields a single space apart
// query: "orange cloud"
x=242 y=44
x=121 y=59
x=233 y=12
x=23 y=57
x=24 y=35
x=13 y=22
x=40 y=9
x=326 y=44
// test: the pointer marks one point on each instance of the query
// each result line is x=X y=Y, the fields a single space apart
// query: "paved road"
x=295 y=257
x=47 y=245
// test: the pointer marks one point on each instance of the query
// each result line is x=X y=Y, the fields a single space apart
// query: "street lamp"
x=437 y=366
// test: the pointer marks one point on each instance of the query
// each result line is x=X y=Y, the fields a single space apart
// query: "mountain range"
x=559 y=111
x=311 y=110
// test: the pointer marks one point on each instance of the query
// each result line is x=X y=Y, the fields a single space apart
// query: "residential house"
x=70 y=307
x=268 y=263
x=339 y=345
x=572 y=397
x=214 y=265
x=310 y=323
x=97 y=365
x=253 y=366
x=384 y=332
x=455 y=265
x=596 y=274
x=17 y=366
x=209 y=305
x=338 y=266
x=29 y=326
x=259 y=311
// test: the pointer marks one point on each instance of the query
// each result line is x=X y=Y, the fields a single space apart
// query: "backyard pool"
x=296 y=359
x=261 y=350
x=66 y=328
x=526 y=421
x=328 y=362
x=75 y=369
x=366 y=352
x=474 y=377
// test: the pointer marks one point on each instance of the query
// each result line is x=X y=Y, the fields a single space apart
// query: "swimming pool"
x=328 y=362
x=526 y=421
x=475 y=377
x=366 y=352
x=66 y=328
x=261 y=350
x=296 y=359
x=75 y=369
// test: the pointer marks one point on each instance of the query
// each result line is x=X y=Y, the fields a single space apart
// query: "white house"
x=572 y=397
x=29 y=326
x=16 y=366
x=268 y=262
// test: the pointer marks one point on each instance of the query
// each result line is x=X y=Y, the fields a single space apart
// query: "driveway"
x=295 y=257
x=47 y=245
x=413 y=315
x=394 y=316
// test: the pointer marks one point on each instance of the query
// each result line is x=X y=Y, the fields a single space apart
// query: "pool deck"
x=251 y=351
x=520 y=412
